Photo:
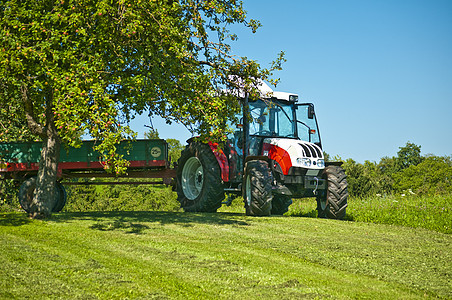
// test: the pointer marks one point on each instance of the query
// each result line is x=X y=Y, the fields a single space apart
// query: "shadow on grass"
x=313 y=214
x=14 y=219
x=304 y=214
x=136 y=221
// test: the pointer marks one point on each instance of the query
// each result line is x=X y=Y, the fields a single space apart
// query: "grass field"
x=429 y=212
x=174 y=255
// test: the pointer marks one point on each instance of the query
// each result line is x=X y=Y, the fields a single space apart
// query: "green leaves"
x=98 y=64
x=431 y=176
x=407 y=173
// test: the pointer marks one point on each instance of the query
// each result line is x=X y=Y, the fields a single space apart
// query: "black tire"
x=198 y=179
x=280 y=204
x=27 y=189
x=332 y=202
x=257 y=188
x=25 y=194
x=61 y=199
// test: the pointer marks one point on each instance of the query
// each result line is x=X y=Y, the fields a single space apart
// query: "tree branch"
x=208 y=63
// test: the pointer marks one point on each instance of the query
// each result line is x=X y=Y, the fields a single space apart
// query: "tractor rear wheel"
x=257 y=188
x=332 y=202
x=26 y=192
x=280 y=204
x=199 y=186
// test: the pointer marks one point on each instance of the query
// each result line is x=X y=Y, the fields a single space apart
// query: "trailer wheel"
x=199 y=186
x=61 y=199
x=332 y=202
x=257 y=188
x=27 y=189
x=280 y=204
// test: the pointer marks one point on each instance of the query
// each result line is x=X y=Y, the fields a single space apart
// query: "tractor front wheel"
x=280 y=204
x=332 y=202
x=257 y=188
x=199 y=186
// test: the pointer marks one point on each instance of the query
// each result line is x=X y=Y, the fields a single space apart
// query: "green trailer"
x=20 y=161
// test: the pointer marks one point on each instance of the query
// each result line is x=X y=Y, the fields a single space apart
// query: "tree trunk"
x=45 y=194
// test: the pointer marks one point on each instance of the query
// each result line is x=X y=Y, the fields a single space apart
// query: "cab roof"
x=267 y=93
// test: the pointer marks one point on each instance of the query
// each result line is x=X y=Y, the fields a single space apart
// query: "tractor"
x=274 y=156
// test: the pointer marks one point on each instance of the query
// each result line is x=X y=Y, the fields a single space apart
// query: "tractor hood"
x=290 y=153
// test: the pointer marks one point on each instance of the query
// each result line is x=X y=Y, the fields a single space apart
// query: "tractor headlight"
x=320 y=163
x=305 y=162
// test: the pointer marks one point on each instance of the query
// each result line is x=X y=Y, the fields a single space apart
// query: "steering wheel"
x=264 y=132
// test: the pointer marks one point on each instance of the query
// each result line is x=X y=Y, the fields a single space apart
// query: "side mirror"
x=311 y=112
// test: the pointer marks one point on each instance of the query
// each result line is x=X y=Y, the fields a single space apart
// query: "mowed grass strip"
x=167 y=255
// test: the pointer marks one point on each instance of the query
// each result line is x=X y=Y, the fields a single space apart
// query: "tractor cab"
x=283 y=119
x=279 y=128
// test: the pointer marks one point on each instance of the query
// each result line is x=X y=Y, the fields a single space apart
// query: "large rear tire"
x=26 y=192
x=199 y=186
x=257 y=188
x=332 y=202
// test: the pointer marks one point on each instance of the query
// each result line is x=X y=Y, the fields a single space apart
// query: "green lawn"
x=428 y=212
x=174 y=255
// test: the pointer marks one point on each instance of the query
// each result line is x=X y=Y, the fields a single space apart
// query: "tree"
x=76 y=67
x=431 y=176
x=362 y=179
x=409 y=155
x=387 y=167
x=174 y=150
x=152 y=134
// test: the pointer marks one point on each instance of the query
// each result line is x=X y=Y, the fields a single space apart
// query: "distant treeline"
x=406 y=173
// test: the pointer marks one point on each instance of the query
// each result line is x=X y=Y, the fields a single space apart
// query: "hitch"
x=316 y=185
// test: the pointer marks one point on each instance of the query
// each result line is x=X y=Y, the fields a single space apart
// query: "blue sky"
x=378 y=72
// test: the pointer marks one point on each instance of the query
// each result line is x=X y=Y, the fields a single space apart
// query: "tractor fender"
x=222 y=161
x=279 y=155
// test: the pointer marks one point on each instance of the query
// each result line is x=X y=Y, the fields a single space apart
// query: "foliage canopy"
x=90 y=66
x=408 y=172
x=73 y=67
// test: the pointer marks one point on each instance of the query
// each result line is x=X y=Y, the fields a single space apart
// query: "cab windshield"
x=283 y=119
x=273 y=119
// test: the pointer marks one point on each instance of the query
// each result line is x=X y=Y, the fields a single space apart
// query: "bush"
x=8 y=195
x=362 y=179
x=121 y=198
x=407 y=172
x=432 y=176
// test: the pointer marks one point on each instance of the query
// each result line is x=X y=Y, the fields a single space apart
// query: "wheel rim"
x=192 y=178
x=248 y=190
x=322 y=202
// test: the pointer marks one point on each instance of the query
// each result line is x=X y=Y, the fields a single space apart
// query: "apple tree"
x=75 y=67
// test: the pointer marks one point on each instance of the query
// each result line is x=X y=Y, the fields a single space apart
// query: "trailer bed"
x=148 y=159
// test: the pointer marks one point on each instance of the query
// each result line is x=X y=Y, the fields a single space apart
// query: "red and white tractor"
x=274 y=155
